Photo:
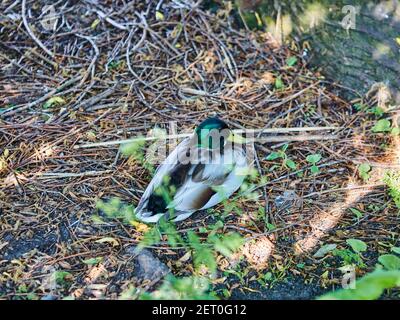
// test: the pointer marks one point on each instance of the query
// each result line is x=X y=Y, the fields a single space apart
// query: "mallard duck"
x=203 y=170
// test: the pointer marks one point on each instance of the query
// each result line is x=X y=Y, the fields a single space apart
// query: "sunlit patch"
x=313 y=16
x=208 y=60
x=244 y=219
x=380 y=51
x=396 y=150
x=14 y=180
x=379 y=93
x=3 y=160
x=383 y=9
x=48 y=282
x=95 y=273
x=358 y=141
x=279 y=30
x=267 y=78
x=140 y=227
x=258 y=251
x=240 y=86
x=324 y=221
x=383 y=96
x=44 y=152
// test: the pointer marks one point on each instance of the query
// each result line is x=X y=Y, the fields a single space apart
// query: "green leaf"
x=356 y=212
x=273 y=156
x=203 y=230
x=382 y=125
x=110 y=208
x=300 y=174
x=218 y=225
x=396 y=250
x=291 y=61
x=134 y=148
x=95 y=23
x=290 y=163
x=349 y=257
x=314 y=169
x=314 y=158
x=365 y=167
x=228 y=243
x=61 y=277
x=97 y=219
x=173 y=237
x=357 y=245
x=202 y=255
x=53 y=101
x=32 y=296
x=278 y=83
x=390 y=261
x=369 y=287
x=173 y=288
x=359 y=106
x=395 y=131
x=150 y=238
x=363 y=170
x=270 y=226
x=377 y=111
x=325 y=249
x=258 y=18
x=392 y=180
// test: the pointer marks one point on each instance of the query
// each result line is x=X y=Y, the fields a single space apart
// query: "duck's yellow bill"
x=235 y=138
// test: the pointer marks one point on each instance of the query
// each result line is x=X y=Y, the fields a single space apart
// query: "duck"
x=204 y=169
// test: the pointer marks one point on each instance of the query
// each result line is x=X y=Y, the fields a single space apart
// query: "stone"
x=147 y=267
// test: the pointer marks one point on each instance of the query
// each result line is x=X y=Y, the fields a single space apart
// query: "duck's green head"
x=213 y=133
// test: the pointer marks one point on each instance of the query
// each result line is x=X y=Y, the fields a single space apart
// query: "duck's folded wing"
x=152 y=203
x=210 y=184
x=199 y=188
x=191 y=197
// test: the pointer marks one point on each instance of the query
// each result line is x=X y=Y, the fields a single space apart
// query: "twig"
x=295 y=138
x=269 y=139
x=11 y=111
x=58 y=175
x=111 y=21
x=32 y=35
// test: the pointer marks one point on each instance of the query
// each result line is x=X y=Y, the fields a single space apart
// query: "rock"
x=146 y=265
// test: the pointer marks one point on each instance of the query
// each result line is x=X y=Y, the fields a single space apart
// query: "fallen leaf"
x=159 y=16
x=111 y=240
x=139 y=226
x=54 y=101
x=325 y=249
